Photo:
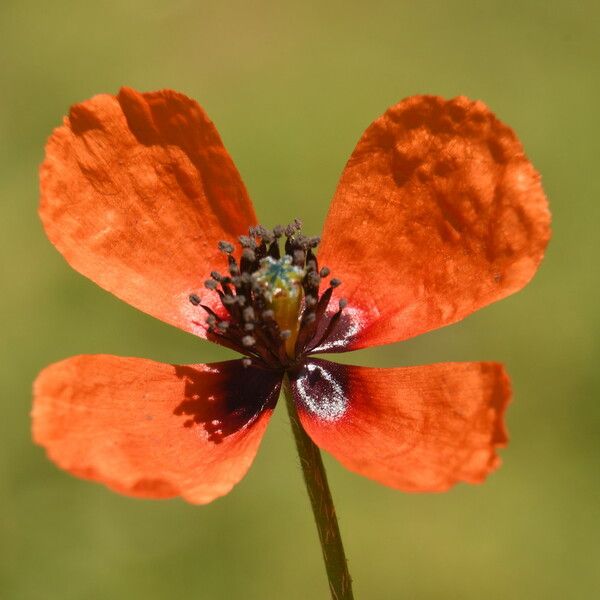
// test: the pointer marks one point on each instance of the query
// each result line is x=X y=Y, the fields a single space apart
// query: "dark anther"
x=278 y=231
x=249 y=255
x=310 y=301
x=343 y=303
x=225 y=247
x=211 y=284
x=324 y=272
x=246 y=362
x=313 y=242
x=247 y=242
x=223 y=325
x=299 y=258
x=211 y=320
x=248 y=341
x=248 y=326
x=216 y=275
x=248 y=314
x=285 y=334
x=335 y=282
x=241 y=300
x=228 y=299
x=313 y=279
x=194 y=299
x=309 y=318
x=294 y=226
x=268 y=314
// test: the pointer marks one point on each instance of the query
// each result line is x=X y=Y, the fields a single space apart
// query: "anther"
x=246 y=362
x=223 y=325
x=211 y=320
x=334 y=282
x=313 y=279
x=299 y=258
x=241 y=300
x=310 y=301
x=268 y=314
x=247 y=242
x=211 y=284
x=229 y=299
x=285 y=334
x=216 y=275
x=324 y=272
x=309 y=318
x=194 y=299
x=225 y=247
x=248 y=313
x=343 y=303
x=248 y=341
x=249 y=254
x=313 y=242
x=278 y=231
x=249 y=327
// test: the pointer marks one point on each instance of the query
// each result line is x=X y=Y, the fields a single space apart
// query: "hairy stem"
x=315 y=478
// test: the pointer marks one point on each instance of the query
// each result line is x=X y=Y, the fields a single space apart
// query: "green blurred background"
x=291 y=86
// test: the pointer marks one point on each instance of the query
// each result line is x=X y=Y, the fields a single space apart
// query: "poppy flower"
x=438 y=213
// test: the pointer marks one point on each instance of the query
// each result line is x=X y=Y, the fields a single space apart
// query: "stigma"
x=272 y=308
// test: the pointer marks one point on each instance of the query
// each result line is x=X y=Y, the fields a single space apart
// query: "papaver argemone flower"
x=437 y=214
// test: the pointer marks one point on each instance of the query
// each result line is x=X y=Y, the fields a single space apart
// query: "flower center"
x=271 y=309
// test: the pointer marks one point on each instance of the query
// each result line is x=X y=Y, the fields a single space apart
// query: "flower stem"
x=315 y=479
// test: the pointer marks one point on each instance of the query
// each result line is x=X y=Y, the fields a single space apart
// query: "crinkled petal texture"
x=136 y=192
x=150 y=429
x=417 y=429
x=438 y=213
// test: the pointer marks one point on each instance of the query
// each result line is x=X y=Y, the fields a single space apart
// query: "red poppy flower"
x=437 y=214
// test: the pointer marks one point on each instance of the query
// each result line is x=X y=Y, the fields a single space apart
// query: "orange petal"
x=153 y=430
x=418 y=429
x=438 y=213
x=136 y=192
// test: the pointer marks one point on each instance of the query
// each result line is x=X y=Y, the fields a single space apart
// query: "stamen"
x=249 y=255
x=247 y=242
x=194 y=299
x=225 y=247
x=248 y=340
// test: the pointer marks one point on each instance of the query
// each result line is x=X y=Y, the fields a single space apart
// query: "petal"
x=438 y=213
x=150 y=429
x=136 y=192
x=418 y=429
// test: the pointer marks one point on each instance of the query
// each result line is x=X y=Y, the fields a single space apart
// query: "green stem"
x=315 y=478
